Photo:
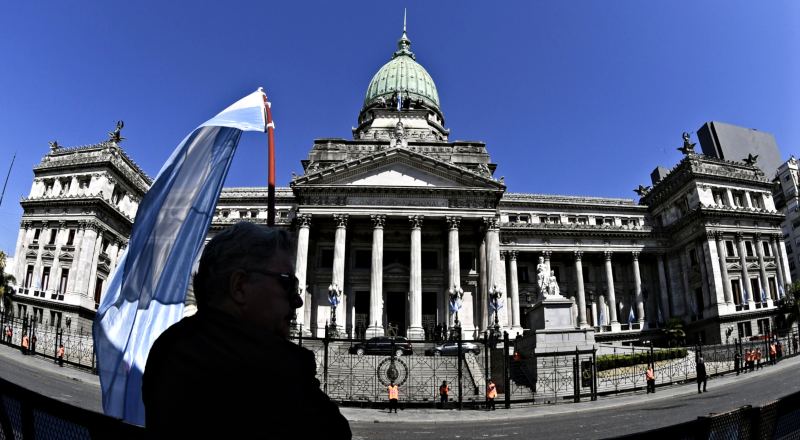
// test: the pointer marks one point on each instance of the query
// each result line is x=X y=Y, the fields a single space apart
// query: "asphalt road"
x=609 y=417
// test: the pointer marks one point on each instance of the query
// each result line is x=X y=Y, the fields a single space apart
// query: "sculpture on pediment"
x=642 y=190
x=688 y=147
x=399 y=131
x=116 y=135
x=751 y=159
x=54 y=145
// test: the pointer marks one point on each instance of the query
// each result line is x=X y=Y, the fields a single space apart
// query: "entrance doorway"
x=396 y=312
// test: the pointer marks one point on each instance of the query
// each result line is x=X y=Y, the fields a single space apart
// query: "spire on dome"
x=404 y=44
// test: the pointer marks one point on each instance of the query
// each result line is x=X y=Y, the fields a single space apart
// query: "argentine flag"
x=148 y=287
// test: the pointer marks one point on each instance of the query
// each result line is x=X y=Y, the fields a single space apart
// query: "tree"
x=673 y=332
x=6 y=280
x=789 y=307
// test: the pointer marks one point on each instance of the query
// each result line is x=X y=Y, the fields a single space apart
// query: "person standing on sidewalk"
x=737 y=360
x=444 y=393
x=60 y=355
x=24 y=345
x=773 y=353
x=758 y=359
x=651 y=379
x=393 y=395
x=491 y=394
x=9 y=333
x=702 y=378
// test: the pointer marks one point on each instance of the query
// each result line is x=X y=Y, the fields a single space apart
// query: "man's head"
x=247 y=271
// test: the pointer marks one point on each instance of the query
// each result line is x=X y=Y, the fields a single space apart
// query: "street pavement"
x=608 y=416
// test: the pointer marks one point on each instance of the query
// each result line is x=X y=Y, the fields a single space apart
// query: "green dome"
x=402 y=74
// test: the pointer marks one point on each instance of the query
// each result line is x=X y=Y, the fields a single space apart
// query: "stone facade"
x=787 y=200
x=408 y=227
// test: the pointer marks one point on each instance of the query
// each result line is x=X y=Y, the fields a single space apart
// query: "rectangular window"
x=83 y=182
x=556 y=220
x=104 y=246
x=524 y=219
x=53 y=233
x=29 y=276
x=513 y=219
x=748 y=248
x=38 y=314
x=773 y=290
x=598 y=221
x=36 y=233
x=745 y=331
x=730 y=249
x=765 y=246
x=736 y=291
x=45 y=278
x=22 y=310
x=583 y=220
x=756 y=199
x=62 y=285
x=71 y=237
x=55 y=319
x=98 y=291
x=624 y=222
x=755 y=287
x=763 y=326
x=542 y=219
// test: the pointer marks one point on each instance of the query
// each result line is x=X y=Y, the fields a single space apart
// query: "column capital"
x=341 y=220
x=304 y=220
x=739 y=236
x=62 y=224
x=378 y=221
x=416 y=221
x=578 y=255
x=711 y=235
x=757 y=235
x=490 y=223
x=512 y=255
x=503 y=255
x=775 y=237
x=635 y=255
x=453 y=222
x=547 y=254
x=607 y=255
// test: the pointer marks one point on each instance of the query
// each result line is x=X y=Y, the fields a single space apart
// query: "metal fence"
x=551 y=377
x=44 y=341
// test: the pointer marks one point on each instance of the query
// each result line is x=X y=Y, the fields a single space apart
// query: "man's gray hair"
x=240 y=246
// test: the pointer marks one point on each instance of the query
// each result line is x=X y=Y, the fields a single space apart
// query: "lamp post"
x=456 y=295
x=334 y=293
x=495 y=294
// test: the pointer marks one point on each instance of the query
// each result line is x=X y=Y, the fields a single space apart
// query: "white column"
x=301 y=269
x=415 y=330
x=762 y=269
x=493 y=279
x=338 y=267
x=77 y=281
x=593 y=311
x=483 y=297
x=783 y=261
x=637 y=288
x=773 y=241
x=581 y=296
x=502 y=282
x=375 y=324
x=465 y=315
x=746 y=288
x=514 y=287
x=612 y=298
x=723 y=268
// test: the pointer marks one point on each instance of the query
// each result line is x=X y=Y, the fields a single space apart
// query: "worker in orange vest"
x=651 y=379
x=60 y=355
x=393 y=395
x=444 y=392
x=491 y=394
x=773 y=353
x=24 y=346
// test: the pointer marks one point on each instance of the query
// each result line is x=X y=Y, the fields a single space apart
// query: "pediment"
x=398 y=167
x=47 y=255
x=66 y=256
x=398 y=174
x=31 y=255
x=734 y=266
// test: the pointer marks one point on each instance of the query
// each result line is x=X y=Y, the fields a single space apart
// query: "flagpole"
x=7 y=176
x=271 y=166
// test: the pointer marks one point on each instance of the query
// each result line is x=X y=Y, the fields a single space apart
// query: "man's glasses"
x=288 y=281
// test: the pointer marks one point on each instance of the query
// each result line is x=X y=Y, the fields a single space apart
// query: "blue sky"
x=571 y=97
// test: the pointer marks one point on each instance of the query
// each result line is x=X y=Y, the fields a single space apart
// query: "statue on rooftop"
x=116 y=135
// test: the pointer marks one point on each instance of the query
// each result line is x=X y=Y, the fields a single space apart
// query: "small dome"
x=402 y=74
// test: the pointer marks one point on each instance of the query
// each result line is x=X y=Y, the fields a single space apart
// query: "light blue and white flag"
x=602 y=317
x=780 y=290
x=659 y=316
x=763 y=295
x=631 y=316
x=148 y=287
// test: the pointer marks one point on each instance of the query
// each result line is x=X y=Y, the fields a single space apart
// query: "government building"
x=401 y=227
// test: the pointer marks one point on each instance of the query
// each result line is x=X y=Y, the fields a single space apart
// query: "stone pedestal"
x=554 y=329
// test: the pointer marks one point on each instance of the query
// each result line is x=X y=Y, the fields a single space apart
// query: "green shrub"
x=611 y=361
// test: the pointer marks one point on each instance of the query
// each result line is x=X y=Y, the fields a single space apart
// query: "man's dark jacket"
x=210 y=375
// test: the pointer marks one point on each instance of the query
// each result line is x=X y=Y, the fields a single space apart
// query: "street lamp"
x=456 y=294
x=495 y=294
x=334 y=293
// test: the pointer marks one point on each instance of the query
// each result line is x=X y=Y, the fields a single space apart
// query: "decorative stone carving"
x=688 y=147
x=116 y=135
x=378 y=221
x=453 y=222
x=416 y=221
x=304 y=220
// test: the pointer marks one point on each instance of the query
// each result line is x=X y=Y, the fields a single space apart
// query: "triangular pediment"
x=398 y=174
x=398 y=167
